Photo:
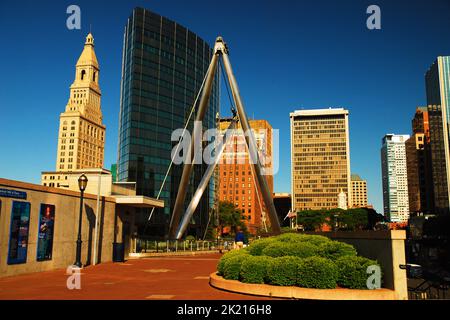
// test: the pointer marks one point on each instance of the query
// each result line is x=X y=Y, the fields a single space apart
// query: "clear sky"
x=286 y=55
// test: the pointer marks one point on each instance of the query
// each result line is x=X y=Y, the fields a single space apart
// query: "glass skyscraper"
x=437 y=81
x=163 y=67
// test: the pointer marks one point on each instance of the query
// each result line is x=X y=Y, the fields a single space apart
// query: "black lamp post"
x=336 y=223
x=82 y=183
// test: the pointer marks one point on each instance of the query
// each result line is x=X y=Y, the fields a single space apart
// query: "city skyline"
x=361 y=96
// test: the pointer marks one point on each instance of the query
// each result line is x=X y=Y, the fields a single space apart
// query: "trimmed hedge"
x=232 y=267
x=317 y=272
x=353 y=271
x=290 y=259
x=282 y=271
x=254 y=269
x=315 y=240
x=256 y=247
x=295 y=238
x=226 y=256
x=296 y=249
x=333 y=250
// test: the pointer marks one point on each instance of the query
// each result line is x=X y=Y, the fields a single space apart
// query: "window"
x=83 y=73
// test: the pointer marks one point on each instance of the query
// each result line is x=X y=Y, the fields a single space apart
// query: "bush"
x=334 y=250
x=290 y=237
x=256 y=247
x=317 y=272
x=353 y=271
x=296 y=249
x=315 y=240
x=226 y=256
x=232 y=266
x=254 y=269
x=283 y=271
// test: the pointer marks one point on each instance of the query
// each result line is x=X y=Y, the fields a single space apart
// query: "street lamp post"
x=82 y=183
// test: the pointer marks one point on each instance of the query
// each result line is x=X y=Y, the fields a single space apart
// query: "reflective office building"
x=163 y=67
x=437 y=81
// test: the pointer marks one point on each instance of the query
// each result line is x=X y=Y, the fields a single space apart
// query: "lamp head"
x=82 y=182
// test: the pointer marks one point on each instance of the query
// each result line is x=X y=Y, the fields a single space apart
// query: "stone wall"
x=67 y=206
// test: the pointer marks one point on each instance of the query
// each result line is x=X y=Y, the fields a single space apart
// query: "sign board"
x=8 y=193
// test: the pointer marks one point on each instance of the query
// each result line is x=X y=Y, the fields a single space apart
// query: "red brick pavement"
x=151 y=278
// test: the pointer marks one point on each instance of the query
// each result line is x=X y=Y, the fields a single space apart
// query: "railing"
x=421 y=289
x=154 y=246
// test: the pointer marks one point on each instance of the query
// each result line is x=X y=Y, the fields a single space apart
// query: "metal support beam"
x=205 y=181
x=219 y=49
x=188 y=164
x=251 y=143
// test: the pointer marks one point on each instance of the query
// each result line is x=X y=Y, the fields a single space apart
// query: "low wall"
x=387 y=247
x=299 y=293
x=67 y=206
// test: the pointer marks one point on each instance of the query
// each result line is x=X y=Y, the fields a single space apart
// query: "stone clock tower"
x=81 y=137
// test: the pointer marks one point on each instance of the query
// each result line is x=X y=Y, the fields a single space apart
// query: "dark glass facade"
x=439 y=170
x=163 y=67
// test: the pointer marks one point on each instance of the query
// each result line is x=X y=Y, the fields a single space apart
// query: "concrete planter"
x=300 y=293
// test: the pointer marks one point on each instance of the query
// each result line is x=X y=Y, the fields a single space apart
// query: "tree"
x=313 y=220
x=230 y=216
x=353 y=219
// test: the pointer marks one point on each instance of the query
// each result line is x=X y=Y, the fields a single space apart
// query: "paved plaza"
x=164 y=278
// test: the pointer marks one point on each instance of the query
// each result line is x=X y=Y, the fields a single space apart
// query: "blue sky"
x=286 y=55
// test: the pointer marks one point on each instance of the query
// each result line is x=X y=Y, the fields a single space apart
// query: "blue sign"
x=18 y=234
x=7 y=193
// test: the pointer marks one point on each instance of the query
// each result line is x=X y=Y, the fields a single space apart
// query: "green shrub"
x=317 y=272
x=296 y=237
x=256 y=247
x=295 y=249
x=232 y=266
x=275 y=249
x=315 y=240
x=353 y=271
x=334 y=250
x=226 y=256
x=289 y=237
x=254 y=269
x=282 y=271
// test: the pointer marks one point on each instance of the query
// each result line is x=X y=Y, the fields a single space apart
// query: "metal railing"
x=154 y=246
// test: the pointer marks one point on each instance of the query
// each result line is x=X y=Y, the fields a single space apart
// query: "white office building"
x=395 y=178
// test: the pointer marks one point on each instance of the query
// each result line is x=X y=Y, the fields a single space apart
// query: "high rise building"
x=238 y=181
x=320 y=158
x=437 y=81
x=81 y=137
x=418 y=157
x=438 y=159
x=359 y=192
x=395 y=178
x=163 y=67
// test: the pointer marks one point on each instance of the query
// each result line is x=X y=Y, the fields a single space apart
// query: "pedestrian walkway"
x=157 y=278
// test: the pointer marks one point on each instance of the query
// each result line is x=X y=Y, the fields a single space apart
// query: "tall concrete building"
x=320 y=158
x=437 y=81
x=418 y=157
x=238 y=181
x=81 y=137
x=163 y=67
x=395 y=178
x=359 y=192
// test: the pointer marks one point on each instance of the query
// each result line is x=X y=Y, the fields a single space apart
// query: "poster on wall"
x=45 y=232
x=18 y=235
